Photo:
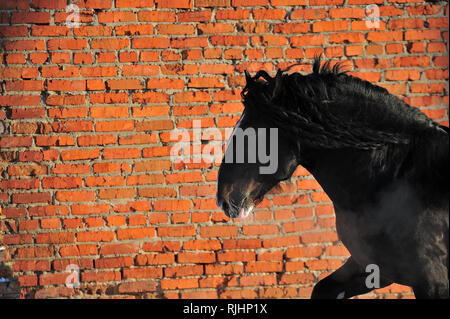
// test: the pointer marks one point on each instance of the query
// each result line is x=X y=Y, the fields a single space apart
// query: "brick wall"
x=85 y=121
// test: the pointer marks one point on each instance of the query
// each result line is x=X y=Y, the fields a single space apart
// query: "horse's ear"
x=277 y=86
x=248 y=78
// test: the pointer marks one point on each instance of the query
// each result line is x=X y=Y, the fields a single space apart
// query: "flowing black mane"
x=330 y=109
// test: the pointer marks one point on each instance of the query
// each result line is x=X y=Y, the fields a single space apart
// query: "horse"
x=383 y=164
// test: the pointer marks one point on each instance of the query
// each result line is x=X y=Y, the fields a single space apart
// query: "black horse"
x=383 y=163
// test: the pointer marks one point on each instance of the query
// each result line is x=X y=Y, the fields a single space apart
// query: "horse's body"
x=386 y=223
x=383 y=164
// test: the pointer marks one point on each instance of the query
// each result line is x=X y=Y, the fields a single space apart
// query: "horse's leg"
x=421 y=292
x=346 y=282
x=434 y=283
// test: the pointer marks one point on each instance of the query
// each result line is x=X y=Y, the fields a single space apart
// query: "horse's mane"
x=330 y=109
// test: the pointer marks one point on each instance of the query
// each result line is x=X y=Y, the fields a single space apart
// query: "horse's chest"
x=352 y=235
x=370 y=238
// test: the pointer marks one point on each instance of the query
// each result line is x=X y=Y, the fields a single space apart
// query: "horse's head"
x=258 y=156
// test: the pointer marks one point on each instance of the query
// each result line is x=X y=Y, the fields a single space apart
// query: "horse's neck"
x=345 y=175
x=353 y=178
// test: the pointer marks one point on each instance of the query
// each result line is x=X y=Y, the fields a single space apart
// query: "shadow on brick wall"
x=9 y=285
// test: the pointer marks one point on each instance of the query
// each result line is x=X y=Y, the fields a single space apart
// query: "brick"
x=253 y=230
x=13 y=31
x=137 y=139
x=309 y=14
x=155 y=125
x=95 y=85
x=197 y=258
x=90 y=140
x=346 y=38
x=243 y=3
x=109 y=44
x=61 y=140
x=387 y=36
x=78 y=250
x=437 y=22
x=31 y=265
x=72 y=223
x=72 y=155
x=66 y=85
x=326 y=26
x=172 y=205
x=135 y=233
x=134 y=3
x=31 y=156
x=66 y=44
x=154 y=165
x=181 y=271
x=423 y=10
x=346 y=13
x=363 y=26
x=402 y=75
x=27 y=100
x=423 y=35
x=184 y=283
x=300 y=41
x=301 y=278
x=116 y=193
x=212 y=3
x=82 y=209
x=175 y=29
x=60 y=100
x=101 y=276
x=61 y=57
x=28 y=198
x=177 y=231
x=229 y=256
x=142 y=272
x=150 y=43
x=418 y=61
x=179 y=4
x=114 y=262
x=229 y=40
x=75 y=196
x=25 y=45
x=116 y=16
x=49 y=31
x=19 y=184
x=104 y=181
x=61 y=182
x=111 y=126
x=330 y=236
x=218 y=231
x=15 y=58
x=55 y=238
x=237 y=14
x=162 y=246
x=16 y=141
x=63 y=113
x=124 y=84
x=156 y=16
x=21 y=5
x=50 y=210
x=155 y=259
x=137 y=286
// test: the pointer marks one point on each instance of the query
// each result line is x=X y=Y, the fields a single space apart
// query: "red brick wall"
x=86 y=115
